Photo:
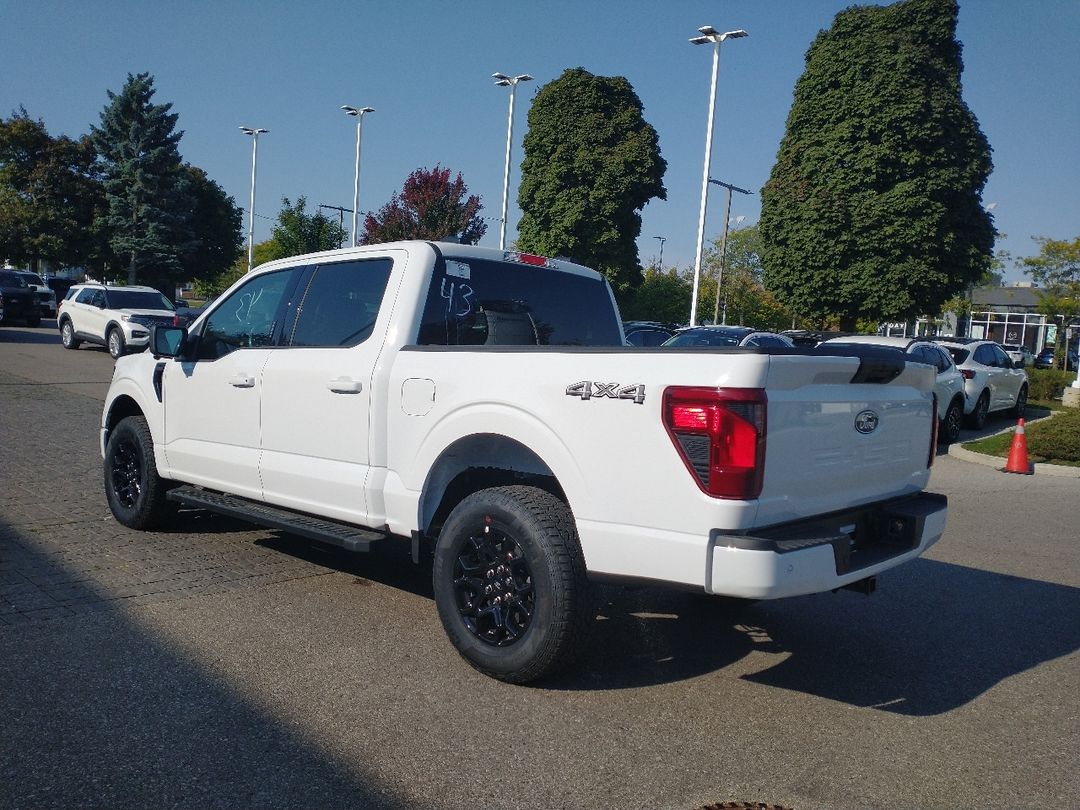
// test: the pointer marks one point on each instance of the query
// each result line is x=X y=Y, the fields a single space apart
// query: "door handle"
x=242 y=381
x=345 y=385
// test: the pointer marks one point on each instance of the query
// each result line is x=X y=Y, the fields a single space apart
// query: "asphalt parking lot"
x=219 y=666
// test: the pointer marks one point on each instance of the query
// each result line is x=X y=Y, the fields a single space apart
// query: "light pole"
x=723 y=246
x=708 y=34
x=502 y=80
x=254 y=133
x=662 y=240
x=358 y=114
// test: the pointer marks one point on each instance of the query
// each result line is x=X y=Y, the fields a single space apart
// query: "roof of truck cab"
x=447 y=249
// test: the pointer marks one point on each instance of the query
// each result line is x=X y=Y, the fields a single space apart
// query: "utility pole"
x=341 y=216
x=723 y=245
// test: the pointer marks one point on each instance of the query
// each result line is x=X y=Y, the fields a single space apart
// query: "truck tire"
x=133 y=488
x=67 y=335
x=510 y=583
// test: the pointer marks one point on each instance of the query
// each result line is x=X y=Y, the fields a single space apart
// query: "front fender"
x=132 y=391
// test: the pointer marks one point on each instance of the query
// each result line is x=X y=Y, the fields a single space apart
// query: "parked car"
x=703 y=336
x=17 y=301
x=992 y=381
x=1045 y=359
x=46 y=297
x=648 y=333
x=1019 y=354
x=948 y=384
x=118 y=318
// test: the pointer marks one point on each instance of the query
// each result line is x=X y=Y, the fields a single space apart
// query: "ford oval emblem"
x=866 y=422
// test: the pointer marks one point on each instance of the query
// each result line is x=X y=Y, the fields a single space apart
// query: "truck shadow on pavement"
x=934 y=637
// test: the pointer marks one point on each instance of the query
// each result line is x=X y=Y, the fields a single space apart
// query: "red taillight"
x=968 y=373
x=720 y=436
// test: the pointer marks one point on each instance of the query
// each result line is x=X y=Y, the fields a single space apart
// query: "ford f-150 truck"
x=482 y=405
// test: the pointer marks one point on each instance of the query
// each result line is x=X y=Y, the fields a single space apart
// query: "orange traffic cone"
x=1018 y=455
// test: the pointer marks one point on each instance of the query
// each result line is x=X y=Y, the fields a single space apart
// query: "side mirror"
x=168 y=341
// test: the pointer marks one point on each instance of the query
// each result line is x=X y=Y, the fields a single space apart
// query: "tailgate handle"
x=242 y=381
x=345 y=385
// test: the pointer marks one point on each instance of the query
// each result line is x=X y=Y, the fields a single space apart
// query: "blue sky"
x=425 y=67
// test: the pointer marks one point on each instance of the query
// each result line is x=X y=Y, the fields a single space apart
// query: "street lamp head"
x=356 y=111
x=502 y=80
x=251 y=131
x=710 y=34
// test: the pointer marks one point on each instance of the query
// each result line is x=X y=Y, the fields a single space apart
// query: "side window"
x=86 y=296
x=944 y=359
x=985 y=355
x=1001 y=360
x=341 y=303
x=247 y=318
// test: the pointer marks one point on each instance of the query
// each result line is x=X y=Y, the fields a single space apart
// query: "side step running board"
x=337 y=534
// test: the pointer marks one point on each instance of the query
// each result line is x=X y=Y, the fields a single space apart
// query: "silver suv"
x=118 y=318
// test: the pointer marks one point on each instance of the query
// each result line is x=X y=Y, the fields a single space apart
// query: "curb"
x=1059 y=470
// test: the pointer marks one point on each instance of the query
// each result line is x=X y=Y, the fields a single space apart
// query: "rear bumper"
x=825 y=553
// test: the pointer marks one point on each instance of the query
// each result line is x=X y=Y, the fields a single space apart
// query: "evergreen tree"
x=591 y=164
x=150 y=206
x=430 y=206
x=873 y=208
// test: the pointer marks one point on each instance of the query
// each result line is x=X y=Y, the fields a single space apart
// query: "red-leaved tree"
x=430 y=206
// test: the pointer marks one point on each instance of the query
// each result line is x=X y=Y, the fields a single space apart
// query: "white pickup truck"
x=482 y=405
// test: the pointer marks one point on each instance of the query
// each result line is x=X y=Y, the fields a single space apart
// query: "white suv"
x=118 y=318
x=992 y=380
x=948 y=384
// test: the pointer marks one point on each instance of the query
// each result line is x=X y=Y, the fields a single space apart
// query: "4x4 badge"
x=598 y=390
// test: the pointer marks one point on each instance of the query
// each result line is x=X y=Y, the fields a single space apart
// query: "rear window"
x=958 y=355
x=705 y=337
x=477 y=302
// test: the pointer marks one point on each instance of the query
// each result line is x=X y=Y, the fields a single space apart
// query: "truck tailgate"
x=842 y=432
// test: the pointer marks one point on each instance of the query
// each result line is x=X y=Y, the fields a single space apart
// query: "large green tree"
x=49 y=195
x=873 y=208
x=591 y=164
x=431 y=205
x=296 y=231
x=217 y=224
x=146 y=185
x=1057 y=270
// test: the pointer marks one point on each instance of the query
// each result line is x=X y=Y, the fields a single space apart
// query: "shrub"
x=1048 y=383
x=1057 y=438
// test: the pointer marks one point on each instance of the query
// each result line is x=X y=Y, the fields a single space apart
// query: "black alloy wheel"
x=493 y=585
x=1020 y=406
x=982 y=409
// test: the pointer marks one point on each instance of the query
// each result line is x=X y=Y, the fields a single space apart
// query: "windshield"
x=138 y=299
x=705 y=337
